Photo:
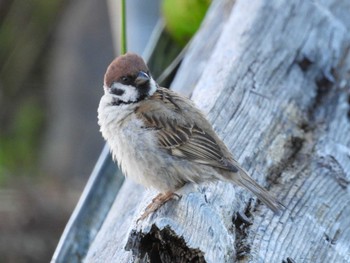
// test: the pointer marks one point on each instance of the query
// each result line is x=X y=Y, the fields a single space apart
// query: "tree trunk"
x=273 y=77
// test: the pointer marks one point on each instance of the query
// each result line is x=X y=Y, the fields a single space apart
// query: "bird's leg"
x=156 y=203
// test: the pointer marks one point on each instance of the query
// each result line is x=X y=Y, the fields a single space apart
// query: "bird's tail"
x=244 y=180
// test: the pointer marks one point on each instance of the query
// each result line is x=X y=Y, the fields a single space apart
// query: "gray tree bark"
x=273 y=77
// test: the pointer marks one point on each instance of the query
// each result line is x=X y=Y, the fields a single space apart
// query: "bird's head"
x=128 y=79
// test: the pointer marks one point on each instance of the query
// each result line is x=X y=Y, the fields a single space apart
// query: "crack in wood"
x=348 y=114
x=332 y=240
x=163 y=246
x=336 y=170
x=242 y=222
x=324 y=84
x=304 y=63
x=288 y=260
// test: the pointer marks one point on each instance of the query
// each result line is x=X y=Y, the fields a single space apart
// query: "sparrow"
x=160 y=139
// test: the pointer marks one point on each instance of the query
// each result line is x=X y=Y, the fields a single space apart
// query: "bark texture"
x=273 y=77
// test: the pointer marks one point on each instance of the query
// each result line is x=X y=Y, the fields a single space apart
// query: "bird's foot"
x=156 y=203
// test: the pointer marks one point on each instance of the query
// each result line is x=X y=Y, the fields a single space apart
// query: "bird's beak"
x=142 y=78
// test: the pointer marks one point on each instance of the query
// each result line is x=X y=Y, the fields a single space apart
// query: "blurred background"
x=53 y=55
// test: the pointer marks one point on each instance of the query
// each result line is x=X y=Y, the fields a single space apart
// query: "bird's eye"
x=125 y=79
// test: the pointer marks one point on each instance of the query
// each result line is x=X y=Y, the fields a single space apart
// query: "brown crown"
x=126 y=65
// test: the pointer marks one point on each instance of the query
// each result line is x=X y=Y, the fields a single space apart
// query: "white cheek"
x=130 y=92
x=153 y=87
x=105 y=88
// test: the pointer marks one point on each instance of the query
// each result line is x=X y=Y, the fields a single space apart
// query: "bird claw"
x=156 y=203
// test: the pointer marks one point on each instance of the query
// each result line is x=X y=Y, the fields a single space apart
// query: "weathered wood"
x=275 y=85
x=89 y=214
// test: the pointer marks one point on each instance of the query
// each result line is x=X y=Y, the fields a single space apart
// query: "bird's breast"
x=132 y=146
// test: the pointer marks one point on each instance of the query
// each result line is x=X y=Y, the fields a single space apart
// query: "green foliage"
x=19 y=143
x=123 y=42
x=183 y=17
x=25 y=29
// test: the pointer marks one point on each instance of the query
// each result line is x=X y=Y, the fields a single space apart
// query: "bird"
x=160 y=139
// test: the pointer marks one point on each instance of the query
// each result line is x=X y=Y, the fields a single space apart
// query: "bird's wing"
x=183 y=137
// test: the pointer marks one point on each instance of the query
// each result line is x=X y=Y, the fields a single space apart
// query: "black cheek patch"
x=118 y=92
x=143 y=90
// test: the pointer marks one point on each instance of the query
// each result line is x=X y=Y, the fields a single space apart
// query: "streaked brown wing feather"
x=183 y=139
